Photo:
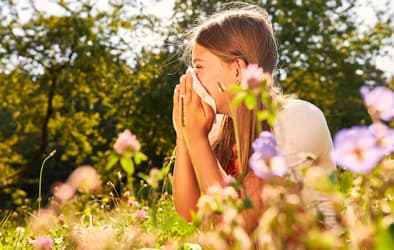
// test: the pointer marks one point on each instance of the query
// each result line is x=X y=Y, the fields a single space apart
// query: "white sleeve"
x=300 y=130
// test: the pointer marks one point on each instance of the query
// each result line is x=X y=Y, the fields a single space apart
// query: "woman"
x=221 y=48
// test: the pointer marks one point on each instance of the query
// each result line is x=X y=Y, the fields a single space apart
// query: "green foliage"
x=72 y=89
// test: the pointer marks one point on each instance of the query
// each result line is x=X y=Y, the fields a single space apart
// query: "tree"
x=66 y=84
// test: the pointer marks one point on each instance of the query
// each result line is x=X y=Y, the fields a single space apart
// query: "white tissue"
x=201 y=91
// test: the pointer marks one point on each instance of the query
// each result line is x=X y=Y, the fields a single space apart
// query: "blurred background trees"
x=72 y=82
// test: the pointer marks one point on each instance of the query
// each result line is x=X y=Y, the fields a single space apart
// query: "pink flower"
x=251 y=76
x=384 y=136
x=42 y=243
x=380 y=101
x=228 y=180
x=140 y=214
x=85 y=179
x=126 y=143
x=63 y=191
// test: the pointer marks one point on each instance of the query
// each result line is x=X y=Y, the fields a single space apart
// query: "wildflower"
x=266 y=160
x=63 y=191
x=265 y=144
x=20 y=230
x=242 y=238
x=61 y=218
x=85 y=179
x=384 y=136
x=251 y=76
x=42 y=220
x=355 y=149
x=126 y=194
x=126 y=143
x=154 y=178
x=207 y=204
x=228 y=180
x=132 y=202
x=141 y=214
x=42 y=243
x=380 y=101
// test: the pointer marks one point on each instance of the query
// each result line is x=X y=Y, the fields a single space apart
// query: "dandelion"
x=266 y=160
x=42 y=243
x=85 y=179
x=251 y=76
x=380 y=102
x=356 y=150
x=126 y=143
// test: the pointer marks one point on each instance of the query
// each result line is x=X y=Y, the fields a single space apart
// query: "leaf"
x=250 y=101
x=248 y=203
x=262 y=115
x=143 y=176
x=384 y=239
x=346 y=183
x=139 y=157
x=112 y=160
x=238 y=99
x=127 y=165
x=333 y=177
x=236 y=88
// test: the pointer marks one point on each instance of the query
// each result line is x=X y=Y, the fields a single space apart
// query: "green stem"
x=40 y=180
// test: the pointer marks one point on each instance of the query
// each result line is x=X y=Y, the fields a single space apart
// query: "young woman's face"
x=210 y=70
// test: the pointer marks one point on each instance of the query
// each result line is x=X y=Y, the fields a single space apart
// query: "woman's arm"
x=185 y=188
x=208 y=172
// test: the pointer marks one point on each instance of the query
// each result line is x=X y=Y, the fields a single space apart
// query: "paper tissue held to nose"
x=202 y=92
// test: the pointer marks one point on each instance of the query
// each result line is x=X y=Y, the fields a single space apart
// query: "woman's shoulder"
x=300 y=126
x=294 y=107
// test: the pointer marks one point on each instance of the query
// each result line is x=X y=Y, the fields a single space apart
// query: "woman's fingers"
x=208 y=111
x=188 y=88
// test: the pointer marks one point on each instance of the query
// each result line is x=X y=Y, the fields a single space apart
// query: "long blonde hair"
x=238 y=31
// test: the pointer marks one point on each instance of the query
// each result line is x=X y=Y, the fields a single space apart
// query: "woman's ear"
x=239 y=64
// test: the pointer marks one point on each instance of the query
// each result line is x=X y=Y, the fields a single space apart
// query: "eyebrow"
x=197 y=60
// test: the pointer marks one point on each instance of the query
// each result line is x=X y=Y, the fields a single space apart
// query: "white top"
x=301 y=130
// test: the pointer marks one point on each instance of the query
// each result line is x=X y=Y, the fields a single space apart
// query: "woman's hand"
x=192 y=117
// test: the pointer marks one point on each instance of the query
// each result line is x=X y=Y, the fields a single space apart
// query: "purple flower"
x=266 y=160
x=380 y=101
x=265 y=144
x=384 y=136
x=355 y=149
x=251 y=76
x=42 y=243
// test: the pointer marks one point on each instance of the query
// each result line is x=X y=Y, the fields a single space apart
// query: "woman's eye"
x=197 y=66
